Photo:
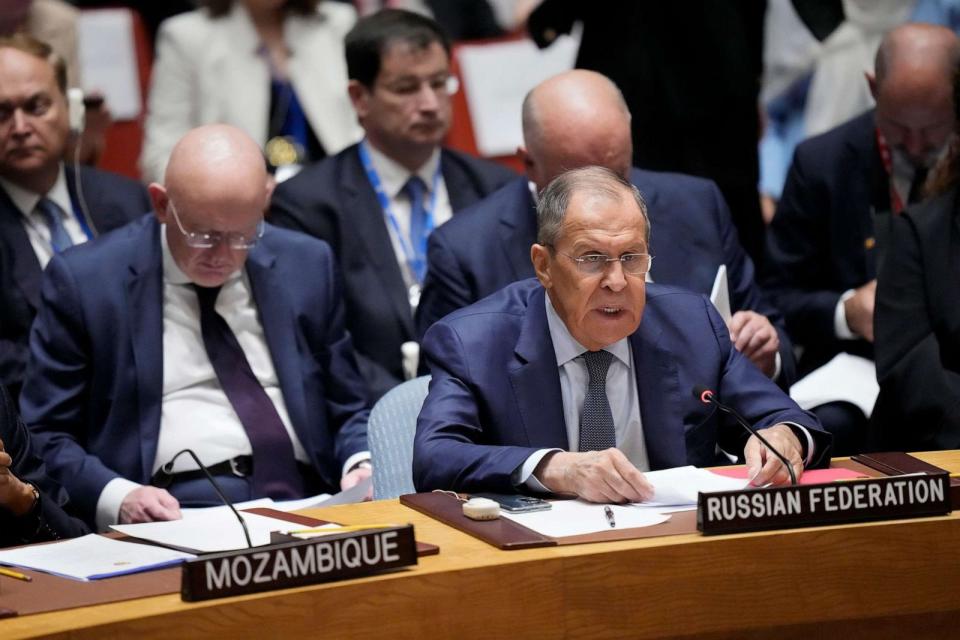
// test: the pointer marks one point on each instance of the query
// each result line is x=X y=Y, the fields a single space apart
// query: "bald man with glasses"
x=198 y=329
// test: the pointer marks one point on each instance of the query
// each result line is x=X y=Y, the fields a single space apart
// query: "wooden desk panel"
x=864 y=578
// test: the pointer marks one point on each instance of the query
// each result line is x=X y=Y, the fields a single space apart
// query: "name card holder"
x=298 y=563
x=814 y=505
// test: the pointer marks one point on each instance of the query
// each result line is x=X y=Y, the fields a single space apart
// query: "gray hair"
x=599 y=181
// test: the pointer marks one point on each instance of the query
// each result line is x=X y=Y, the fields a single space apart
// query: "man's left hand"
x=757 y=339
x=15 y=495
x=355 y=477
x=763 y=466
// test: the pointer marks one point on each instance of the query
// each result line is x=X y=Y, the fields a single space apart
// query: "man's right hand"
x=597 y=476
x=149 y=504
x=859 y=310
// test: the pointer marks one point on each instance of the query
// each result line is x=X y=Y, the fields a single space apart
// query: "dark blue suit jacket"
x=333 y=200
x=112 y=201
x=93 y=390
x=495 y=394
x=487 y=247
x=823 y=239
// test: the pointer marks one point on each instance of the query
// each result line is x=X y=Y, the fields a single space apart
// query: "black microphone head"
x=702 y=393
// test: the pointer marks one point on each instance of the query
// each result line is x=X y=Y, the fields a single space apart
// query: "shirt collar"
x=172 y=273
x=393 y=175
x=26 y=200
x=566 y=347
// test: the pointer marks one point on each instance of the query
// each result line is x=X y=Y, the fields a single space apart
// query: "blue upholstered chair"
x=393 y=421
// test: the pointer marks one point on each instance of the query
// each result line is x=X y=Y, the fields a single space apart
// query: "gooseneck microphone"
x=707 y=396
x=168 y=468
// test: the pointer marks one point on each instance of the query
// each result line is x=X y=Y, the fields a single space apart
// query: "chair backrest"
x=393 y=422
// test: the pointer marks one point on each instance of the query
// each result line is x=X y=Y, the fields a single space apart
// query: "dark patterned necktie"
x=916 y=185
x=416 y=190
x=596 y=421
x=275 y=472
x=53 y=216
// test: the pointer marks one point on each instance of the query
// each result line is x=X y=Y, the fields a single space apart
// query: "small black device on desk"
x=515 y=503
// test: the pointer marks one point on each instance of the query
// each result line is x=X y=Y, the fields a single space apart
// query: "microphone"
x=707 y=396
x=168 y=468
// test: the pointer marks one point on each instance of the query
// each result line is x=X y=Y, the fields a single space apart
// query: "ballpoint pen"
x=607 y=511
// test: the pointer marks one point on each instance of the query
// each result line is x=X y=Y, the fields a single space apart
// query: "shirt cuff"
x=354 y=460
x=523 y=476
x=811 y=446
x=840 y=326
x=777 y=366
x=108 y=504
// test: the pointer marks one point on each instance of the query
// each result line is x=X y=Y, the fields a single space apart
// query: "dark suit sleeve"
x=445 y=288
x=449 y=450
x=50 y=521
x=919 y=404
x=745 y=293
x=56 y=390
x=796 y=261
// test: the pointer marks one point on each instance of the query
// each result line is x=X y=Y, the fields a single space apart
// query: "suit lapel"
x=364 y=216
x=460 y=189
x=144 y=288
x=536 y=380
x=518 y=229
x=275 y=312
x=658 y=390
x=26 y=267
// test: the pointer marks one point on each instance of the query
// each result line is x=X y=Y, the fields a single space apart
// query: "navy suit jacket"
x=487 y=246
x=333 y=200
x=94 y=384
x=823 y=239
x=112 y=201
x=495 y=393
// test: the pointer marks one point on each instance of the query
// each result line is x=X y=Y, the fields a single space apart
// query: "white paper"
x=91 y=557
x=720 y=294
x=679 y=486
x=108 y=60
x=578 y=517
x=193 y=512
x=498 y=76
x=215 y=529
x=848 y=378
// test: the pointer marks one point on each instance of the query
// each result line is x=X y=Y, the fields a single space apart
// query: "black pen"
x=607 y=511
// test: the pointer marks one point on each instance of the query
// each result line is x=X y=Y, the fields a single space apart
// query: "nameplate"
x=294 y=564
x=823 y=504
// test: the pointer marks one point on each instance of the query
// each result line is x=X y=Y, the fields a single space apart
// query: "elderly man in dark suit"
x=577 y=119
x=45 y=206
x=831 y=228
x=201 y=332
x=377 y=202
x=580 y=380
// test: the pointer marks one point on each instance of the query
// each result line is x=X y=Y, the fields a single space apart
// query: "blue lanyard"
x=410 y=254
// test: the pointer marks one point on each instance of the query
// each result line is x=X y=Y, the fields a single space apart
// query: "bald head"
x=913 y=89
x=215 y=187
x=572 y=120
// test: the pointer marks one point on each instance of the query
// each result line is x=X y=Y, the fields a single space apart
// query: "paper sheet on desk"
x=91 y=557
x=849 y=378
x=348 y=496
x=678 y=487
x=213 y=529
x=578 y=517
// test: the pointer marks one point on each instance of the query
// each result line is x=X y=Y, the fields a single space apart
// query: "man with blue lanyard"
x=45 y=206
x=377 y=202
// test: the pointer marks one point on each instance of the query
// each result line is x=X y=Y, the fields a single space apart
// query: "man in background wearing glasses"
x=200 y=328
x=555 y=384
x=377 y=202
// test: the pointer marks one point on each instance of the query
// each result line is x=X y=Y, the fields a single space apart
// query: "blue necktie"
x=53 y=215
x=596 y=420
x=275 y=472
x=415 y=190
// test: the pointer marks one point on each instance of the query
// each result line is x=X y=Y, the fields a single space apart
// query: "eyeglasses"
x=409 y=87
x=210 y=239
x=593 y=264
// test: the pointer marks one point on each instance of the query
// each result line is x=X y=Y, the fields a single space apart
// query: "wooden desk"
x=879 y=580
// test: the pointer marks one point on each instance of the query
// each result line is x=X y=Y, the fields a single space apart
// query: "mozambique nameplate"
x=823 y=504
x=294 y=564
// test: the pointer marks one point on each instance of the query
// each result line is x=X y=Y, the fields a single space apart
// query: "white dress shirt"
x=33 y=221
x=195 y=411
x=393 y=177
